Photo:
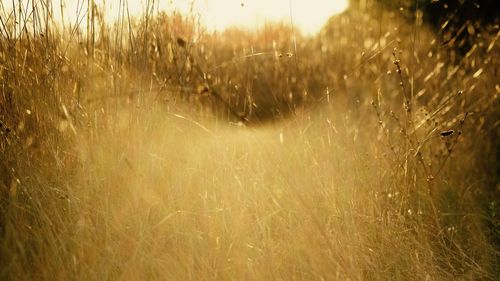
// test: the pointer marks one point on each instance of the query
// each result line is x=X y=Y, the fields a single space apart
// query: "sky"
x=307 y=15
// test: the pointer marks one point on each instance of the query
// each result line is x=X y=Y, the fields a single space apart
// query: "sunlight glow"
x=307 y=15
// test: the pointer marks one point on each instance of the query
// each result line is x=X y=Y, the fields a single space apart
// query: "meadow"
x=153 y=149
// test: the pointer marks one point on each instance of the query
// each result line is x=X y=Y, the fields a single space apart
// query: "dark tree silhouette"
x=457 y=21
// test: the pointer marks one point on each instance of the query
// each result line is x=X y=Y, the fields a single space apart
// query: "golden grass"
x=120 y=163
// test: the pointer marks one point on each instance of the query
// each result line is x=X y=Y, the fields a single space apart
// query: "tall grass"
x=153 y=149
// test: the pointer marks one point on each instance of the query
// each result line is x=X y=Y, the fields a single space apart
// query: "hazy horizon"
x=216 y=15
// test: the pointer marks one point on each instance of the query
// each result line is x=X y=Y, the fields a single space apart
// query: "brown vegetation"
x=155 y=150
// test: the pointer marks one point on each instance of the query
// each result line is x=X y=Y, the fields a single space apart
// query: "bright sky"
x=308 y=15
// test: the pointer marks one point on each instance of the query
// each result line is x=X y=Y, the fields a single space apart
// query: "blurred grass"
x=154 y=150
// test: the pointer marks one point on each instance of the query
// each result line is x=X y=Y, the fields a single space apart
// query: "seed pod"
x=447 y=133
x=181 y=42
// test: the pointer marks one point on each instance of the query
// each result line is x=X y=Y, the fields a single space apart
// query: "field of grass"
x=154 y=150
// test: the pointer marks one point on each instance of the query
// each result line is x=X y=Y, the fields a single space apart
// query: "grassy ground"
x=165 y=153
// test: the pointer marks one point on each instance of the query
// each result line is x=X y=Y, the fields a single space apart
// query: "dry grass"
x=367 y=153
